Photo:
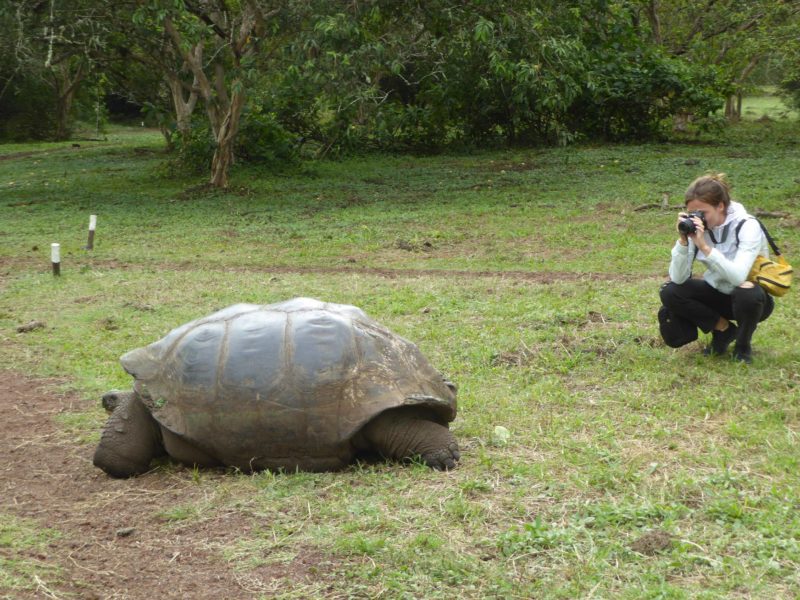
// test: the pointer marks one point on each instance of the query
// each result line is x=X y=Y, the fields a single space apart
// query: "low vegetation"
x=529 y=277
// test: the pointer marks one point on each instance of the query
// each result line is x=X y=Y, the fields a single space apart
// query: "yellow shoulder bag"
x=774 y=275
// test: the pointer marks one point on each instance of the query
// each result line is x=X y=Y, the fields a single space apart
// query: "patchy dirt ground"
x=9 y=265
x=113 y=543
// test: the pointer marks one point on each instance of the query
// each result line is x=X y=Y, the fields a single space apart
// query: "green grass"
x=85 y=137
x=23 y=545
x=612 y=436
x=766 y=105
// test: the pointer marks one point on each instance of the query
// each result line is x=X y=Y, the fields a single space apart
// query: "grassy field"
x=529 y=277
x=766 y=104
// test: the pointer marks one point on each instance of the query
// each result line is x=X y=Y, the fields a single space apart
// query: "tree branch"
x=655 y=22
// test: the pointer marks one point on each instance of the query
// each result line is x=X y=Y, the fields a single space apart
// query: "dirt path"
x=9 y=265
x=112 y=543
x=71 y=147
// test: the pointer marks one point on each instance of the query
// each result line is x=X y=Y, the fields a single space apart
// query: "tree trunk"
x=184 y=98
x=653 y=9
x=66 y=86
x=733 y=105
x=733 y=108
x=225 y=134
x=220 y=164
x=184 y=107
x=167 y=133
x=63 y=109
x=224 y=111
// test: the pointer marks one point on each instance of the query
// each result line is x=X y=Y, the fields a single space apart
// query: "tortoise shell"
x=284 y=385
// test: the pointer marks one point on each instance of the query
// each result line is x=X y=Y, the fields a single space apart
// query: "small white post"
x=55 y=258
x=92 y=227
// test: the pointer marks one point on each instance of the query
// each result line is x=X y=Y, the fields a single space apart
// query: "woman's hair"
x=712 y=189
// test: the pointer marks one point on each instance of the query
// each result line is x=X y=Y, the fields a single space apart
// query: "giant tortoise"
x=297 y=385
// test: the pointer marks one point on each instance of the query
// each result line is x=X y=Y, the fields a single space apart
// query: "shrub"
x=27 y=111
x=261 y=139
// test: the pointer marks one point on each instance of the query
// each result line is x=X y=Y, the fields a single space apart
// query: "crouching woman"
x=718 y=233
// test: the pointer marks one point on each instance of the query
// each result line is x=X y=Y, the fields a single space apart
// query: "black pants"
x=699 y=303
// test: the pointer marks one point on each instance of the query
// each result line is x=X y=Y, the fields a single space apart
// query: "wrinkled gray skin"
x=132 y=438
x=298 y=385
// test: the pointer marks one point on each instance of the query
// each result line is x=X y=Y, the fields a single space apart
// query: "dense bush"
x=426 y=77
x=261 y=139
x=636 y=95
x=27 y=109
x=790 y=89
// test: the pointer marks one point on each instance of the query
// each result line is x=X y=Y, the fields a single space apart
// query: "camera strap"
x=714 y=240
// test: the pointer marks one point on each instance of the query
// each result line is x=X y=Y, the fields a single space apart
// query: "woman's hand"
x=698 y=237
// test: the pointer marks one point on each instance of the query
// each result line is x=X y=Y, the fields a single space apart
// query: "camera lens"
x=686 y=226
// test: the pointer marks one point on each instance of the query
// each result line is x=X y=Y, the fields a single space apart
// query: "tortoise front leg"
x=406 y=432
x=184 y=452
x=131 y=438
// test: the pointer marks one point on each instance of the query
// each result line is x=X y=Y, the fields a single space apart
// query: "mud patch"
x=113 y=540
x=540 y=277
x=519 y=357
x=653 y=542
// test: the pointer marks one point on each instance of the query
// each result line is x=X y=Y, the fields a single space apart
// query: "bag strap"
x=766 y=233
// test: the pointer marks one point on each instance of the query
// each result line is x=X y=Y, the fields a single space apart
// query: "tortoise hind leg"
x=130 y=440
x=406 y=432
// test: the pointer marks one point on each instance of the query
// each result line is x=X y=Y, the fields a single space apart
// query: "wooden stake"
x=55 y=258
x=92 y=227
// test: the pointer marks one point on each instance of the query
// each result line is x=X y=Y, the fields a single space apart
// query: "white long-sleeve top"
x=728 y=264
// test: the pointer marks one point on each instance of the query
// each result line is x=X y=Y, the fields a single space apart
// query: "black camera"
x=687 y=227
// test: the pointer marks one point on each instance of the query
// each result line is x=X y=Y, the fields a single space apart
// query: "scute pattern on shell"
x=286 y=384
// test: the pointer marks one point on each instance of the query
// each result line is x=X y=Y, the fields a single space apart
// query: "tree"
x=147 y=69
x=218 y=42
x=790 y=82
x=732 y=35
x=56 y=44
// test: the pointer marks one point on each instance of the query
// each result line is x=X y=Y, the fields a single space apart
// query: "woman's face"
x=715 y=215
